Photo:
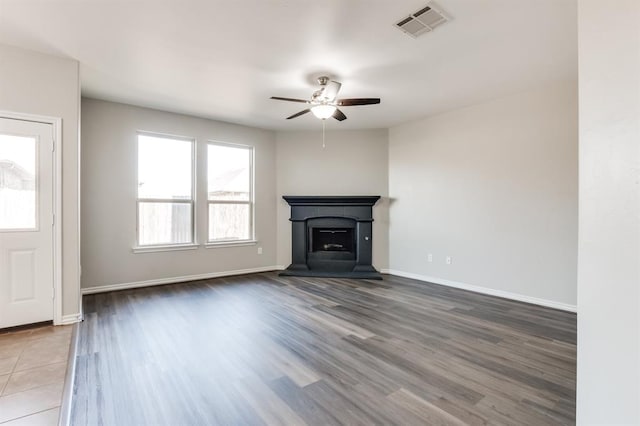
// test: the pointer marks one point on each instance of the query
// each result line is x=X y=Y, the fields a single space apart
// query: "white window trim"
x=252 y=205
x=166 y=247
x=149 y=248
x=231 y=243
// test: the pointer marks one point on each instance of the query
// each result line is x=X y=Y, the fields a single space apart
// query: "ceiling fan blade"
x=278 y=98
x=357 y=101
x=339 y=115
x=298 y=114
x=331 y=90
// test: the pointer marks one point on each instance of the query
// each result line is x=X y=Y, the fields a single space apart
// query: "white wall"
x=609 y=244
x=494 y=186
x=354 y=162
x=39 y=84
x=109 y=176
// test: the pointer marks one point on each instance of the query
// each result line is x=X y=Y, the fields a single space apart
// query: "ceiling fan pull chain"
x=323 y=123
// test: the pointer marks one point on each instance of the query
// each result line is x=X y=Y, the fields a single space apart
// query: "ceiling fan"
x=323 y=103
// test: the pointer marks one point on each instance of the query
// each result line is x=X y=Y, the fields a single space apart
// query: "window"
x=230 y=192
x=18 y=177
x=165 y=190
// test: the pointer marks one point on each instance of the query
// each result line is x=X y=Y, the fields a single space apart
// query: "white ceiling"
x=224 y=59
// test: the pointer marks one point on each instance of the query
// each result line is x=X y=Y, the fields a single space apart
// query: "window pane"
x=164 y=223
x=17 y=182
x=229 y=222
x=164 y=168
x=229 y=173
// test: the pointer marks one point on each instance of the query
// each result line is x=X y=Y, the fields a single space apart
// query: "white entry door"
x=26 y=222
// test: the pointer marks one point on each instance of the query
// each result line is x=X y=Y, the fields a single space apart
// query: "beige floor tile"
x=35 y=377
x=46 y=342
x=7 y=364
x=51 y=331
x=42 y=352
x=44 y=418
x=11 y=348
x=29 y=402
x=19 y=336
x=3 y=381
x=20 y=333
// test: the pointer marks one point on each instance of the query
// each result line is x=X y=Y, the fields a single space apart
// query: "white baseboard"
x=484 y=290
x=70 y=319
x=173 y=280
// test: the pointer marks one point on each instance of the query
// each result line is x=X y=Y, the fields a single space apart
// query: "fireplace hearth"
x=331 y=236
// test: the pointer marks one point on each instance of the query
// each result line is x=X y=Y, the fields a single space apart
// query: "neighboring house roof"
x=233 y=181
x=13 y=176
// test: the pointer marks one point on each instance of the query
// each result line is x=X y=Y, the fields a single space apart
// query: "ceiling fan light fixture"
x=323 y=111
x=324 y=102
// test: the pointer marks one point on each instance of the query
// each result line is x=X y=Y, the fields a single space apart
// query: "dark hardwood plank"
x=264 y=349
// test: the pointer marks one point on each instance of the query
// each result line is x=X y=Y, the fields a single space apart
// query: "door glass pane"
x=17 y=182
x=229 y=173
x=164 y=168
x=229 y=222
x=164 y=223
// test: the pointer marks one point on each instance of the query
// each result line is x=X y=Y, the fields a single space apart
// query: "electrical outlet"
x=430 y=257
x=449 y=260
x=259 y=250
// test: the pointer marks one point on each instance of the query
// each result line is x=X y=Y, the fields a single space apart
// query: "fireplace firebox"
x=331 y=236
x=332 y=239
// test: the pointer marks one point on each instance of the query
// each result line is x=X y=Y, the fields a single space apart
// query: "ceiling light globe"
x=323 y=111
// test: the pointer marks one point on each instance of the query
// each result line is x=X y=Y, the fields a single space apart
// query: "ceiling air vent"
x=423 y=21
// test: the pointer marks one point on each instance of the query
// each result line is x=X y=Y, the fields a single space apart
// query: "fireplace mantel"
x=350 y=214
x=331 y=200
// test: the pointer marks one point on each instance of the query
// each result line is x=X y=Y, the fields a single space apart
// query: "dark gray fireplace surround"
x=331 y=236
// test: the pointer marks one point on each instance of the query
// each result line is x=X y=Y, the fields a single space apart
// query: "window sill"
x=154 y=249
x=223 y=244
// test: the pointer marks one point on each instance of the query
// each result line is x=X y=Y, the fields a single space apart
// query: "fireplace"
x=331 y=236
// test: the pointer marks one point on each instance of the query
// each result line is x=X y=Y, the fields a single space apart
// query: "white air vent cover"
x=423 y=21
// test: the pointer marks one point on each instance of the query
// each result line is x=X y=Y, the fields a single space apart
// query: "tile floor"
x=33 y=365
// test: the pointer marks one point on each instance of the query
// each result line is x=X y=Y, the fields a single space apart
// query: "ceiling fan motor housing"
x=323 y=80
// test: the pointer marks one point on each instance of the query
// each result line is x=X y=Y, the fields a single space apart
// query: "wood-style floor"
x=263 y=349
